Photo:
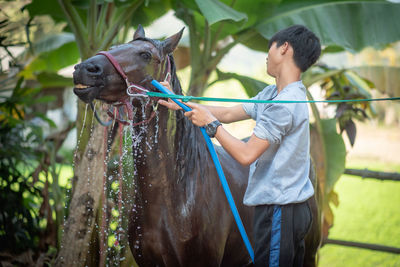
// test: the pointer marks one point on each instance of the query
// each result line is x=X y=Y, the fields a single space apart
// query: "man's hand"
x=199 y=115
x=169 y=104
x=244 y=152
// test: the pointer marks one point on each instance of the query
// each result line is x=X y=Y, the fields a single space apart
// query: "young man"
x=278 y=149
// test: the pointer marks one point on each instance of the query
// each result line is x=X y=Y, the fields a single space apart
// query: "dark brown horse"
x=182 y=217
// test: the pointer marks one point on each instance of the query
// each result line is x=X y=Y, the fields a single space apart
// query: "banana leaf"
x=352 y=25
x=385 y=78
x=251 y=86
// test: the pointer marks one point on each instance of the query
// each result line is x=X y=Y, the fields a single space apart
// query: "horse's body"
x=181 y=216
x=187 y=221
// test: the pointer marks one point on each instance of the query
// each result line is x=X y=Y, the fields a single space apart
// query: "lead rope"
x=186 y=98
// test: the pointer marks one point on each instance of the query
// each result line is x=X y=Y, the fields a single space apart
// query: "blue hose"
x=220 y=172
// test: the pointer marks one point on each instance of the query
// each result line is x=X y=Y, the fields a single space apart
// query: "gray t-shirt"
x=280 y=174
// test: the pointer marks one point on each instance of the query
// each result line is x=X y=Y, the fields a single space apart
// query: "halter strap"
x=132 y=89
x=137 y=88
x=115 y=63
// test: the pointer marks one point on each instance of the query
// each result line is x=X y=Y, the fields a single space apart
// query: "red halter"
x=131 y=90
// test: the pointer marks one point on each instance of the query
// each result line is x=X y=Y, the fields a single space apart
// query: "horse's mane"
x=191 y=151
x=191 y=148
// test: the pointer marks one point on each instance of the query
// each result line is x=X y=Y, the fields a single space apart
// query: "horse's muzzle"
x=88 y=81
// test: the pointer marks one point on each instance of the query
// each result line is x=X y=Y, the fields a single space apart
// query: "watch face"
x=210 y=129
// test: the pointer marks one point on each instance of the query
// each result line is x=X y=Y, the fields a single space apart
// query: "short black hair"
x=306 y=45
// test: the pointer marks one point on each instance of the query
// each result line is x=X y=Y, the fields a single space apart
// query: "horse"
x=182 y=216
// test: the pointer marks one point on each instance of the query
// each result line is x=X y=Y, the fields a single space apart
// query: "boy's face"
x=272 y=59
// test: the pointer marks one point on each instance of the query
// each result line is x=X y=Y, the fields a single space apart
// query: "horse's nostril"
x=93 y=68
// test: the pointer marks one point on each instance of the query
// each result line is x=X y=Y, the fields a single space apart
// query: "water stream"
x=118 y=184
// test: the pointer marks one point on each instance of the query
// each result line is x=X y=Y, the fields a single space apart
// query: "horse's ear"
x=171 y=42
x=139 y=33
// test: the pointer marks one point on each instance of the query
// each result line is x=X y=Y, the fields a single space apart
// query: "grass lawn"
x=369 y=211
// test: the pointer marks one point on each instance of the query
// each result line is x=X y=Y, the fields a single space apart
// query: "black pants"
x=279 y=232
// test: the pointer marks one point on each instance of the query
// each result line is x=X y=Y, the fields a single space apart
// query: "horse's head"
x=142 y=59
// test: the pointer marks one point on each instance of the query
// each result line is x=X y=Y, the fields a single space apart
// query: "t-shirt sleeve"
x=274 y=123
x=251 y=108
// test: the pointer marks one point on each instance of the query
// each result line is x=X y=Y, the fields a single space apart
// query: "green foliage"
x=214 y=24
x=52 y=61
x=29 y=187
x=53 y=80
x=96 y=24
x=215 y=27
x=20 y=140
x=215 y=11
x=19 y=224
x=340 y=23
x=51 y=42
x=335 y=153
x=46 y=7
x=31 y=199
x=368 y=212
x=251 y=86
x=256 y=42
x=385 y=78
x=150 y=11
x=345 y=84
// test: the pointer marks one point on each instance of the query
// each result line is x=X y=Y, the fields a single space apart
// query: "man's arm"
x=228 y=114
x=223 y=114
x=244 y=152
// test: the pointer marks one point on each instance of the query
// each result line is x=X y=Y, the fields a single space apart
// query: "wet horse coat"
x=181 y=216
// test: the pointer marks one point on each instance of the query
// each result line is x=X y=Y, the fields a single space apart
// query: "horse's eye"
x=145 y=55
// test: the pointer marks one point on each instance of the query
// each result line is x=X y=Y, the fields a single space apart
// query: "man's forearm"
x=218 y=112
x=227 y=114
x=235 y=147
x=244 y=152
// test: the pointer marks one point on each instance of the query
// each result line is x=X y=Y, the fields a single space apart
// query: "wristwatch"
x=211 y=128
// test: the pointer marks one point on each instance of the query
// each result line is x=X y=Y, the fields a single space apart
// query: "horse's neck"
x=155 y=147
x=167 y=150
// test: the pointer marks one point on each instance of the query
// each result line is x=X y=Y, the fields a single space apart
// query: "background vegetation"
x=368 y=212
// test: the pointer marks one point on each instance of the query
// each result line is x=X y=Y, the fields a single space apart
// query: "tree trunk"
x=89 y=169
x=198 y=83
